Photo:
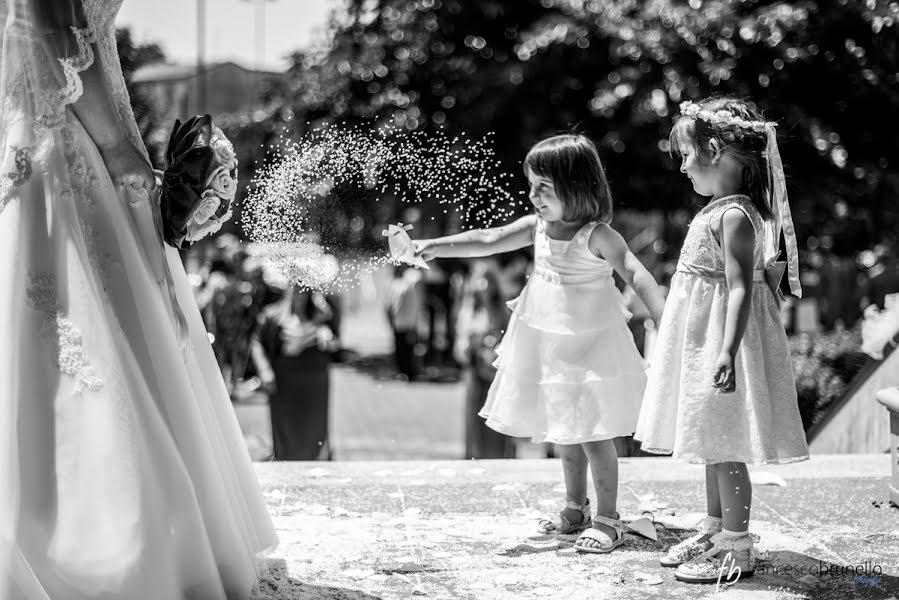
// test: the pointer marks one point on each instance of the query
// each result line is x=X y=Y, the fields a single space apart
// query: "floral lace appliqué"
x=70 y=356
x=23 y=170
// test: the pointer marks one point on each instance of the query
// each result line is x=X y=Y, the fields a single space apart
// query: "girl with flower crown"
x=721 y=390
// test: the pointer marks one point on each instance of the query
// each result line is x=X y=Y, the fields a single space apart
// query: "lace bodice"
x=41 y=76
x=702 y=249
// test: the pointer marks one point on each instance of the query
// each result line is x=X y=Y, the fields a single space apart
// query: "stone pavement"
x=463 y=529
x=376 y=420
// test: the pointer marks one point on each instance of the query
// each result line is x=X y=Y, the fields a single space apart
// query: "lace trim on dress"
x=71 y=67
x=70 y=356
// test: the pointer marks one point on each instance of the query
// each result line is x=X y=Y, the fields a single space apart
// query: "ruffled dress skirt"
x=568 y=370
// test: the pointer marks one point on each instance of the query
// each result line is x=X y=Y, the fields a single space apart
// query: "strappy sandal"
x=573 y=518
x=606 y=543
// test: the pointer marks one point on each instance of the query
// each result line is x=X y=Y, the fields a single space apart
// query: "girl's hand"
x=725 y=379
x=424 y=249
x=127 y=167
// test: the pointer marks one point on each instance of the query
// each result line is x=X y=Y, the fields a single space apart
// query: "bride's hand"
x=128 y=167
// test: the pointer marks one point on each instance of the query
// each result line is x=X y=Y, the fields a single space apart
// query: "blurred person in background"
x=481 y=320
x=839 y=287
x=405 y=310
x=230 y=299
x=438 y=304
x=292 y=353
x=883 y=278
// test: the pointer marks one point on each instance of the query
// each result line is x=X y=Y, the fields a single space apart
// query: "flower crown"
x=722 y=117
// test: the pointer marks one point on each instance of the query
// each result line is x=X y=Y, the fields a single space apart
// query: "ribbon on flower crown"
x=780 y=207
x=783 y=218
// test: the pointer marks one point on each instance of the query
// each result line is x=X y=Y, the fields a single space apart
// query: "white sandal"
x=606 y=543
x=560 y=523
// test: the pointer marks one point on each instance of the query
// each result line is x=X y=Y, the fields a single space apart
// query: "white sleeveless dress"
x=568 y=370
x=682 y=413
x=123 y=473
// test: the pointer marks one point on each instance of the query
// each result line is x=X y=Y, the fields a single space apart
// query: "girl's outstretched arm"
x=480 y=242
x=608 y=244
x=738 y=241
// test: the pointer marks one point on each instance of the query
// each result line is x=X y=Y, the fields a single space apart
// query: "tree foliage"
x=132 y=56
x=827 y=71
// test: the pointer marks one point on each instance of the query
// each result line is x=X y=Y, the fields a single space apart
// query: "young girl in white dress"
x=568 y=369
x=721 y=390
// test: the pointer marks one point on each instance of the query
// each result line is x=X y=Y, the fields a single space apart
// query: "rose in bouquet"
x=199 y=182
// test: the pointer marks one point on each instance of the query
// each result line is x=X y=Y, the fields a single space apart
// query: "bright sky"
x=231 y=28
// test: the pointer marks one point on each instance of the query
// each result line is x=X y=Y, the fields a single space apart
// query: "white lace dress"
x=682 y=413
x=123 y=473
x=568 y=370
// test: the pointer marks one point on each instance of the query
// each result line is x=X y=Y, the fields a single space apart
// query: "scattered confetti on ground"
x=399 y=532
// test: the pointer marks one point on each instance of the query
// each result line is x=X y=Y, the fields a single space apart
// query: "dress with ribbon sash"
x=682 y=412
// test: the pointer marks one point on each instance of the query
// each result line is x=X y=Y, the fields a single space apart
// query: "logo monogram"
x=728 y=565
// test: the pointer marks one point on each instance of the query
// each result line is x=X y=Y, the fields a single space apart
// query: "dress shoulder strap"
x=584 y=233
x=742 y=203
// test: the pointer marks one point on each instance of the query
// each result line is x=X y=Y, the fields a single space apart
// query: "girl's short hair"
x=572 y=162
x=747 y=146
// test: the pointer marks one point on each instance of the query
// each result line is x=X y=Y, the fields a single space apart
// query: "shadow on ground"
x=382 y=367
x=278 y=585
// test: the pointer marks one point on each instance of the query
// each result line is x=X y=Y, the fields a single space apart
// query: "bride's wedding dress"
x=123 y=473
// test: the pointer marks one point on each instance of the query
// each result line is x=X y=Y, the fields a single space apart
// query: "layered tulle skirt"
x=122 y=468
x=685 y=415
x=568 y=370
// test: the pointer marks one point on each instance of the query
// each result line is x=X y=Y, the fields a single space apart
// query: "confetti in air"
x=315 y=212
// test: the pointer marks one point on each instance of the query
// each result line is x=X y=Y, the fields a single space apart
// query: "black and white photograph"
x=449 y=299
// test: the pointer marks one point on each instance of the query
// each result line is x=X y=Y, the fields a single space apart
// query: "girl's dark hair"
x=573 y=164
x=746 y=146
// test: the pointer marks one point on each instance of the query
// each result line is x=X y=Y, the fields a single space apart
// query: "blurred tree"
x=827 y=72
x=133 y=56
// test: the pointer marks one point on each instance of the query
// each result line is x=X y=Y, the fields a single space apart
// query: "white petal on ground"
x=766 y=478
x=647 y=578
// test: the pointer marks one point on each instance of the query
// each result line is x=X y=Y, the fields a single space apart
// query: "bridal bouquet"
x=199 y=182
